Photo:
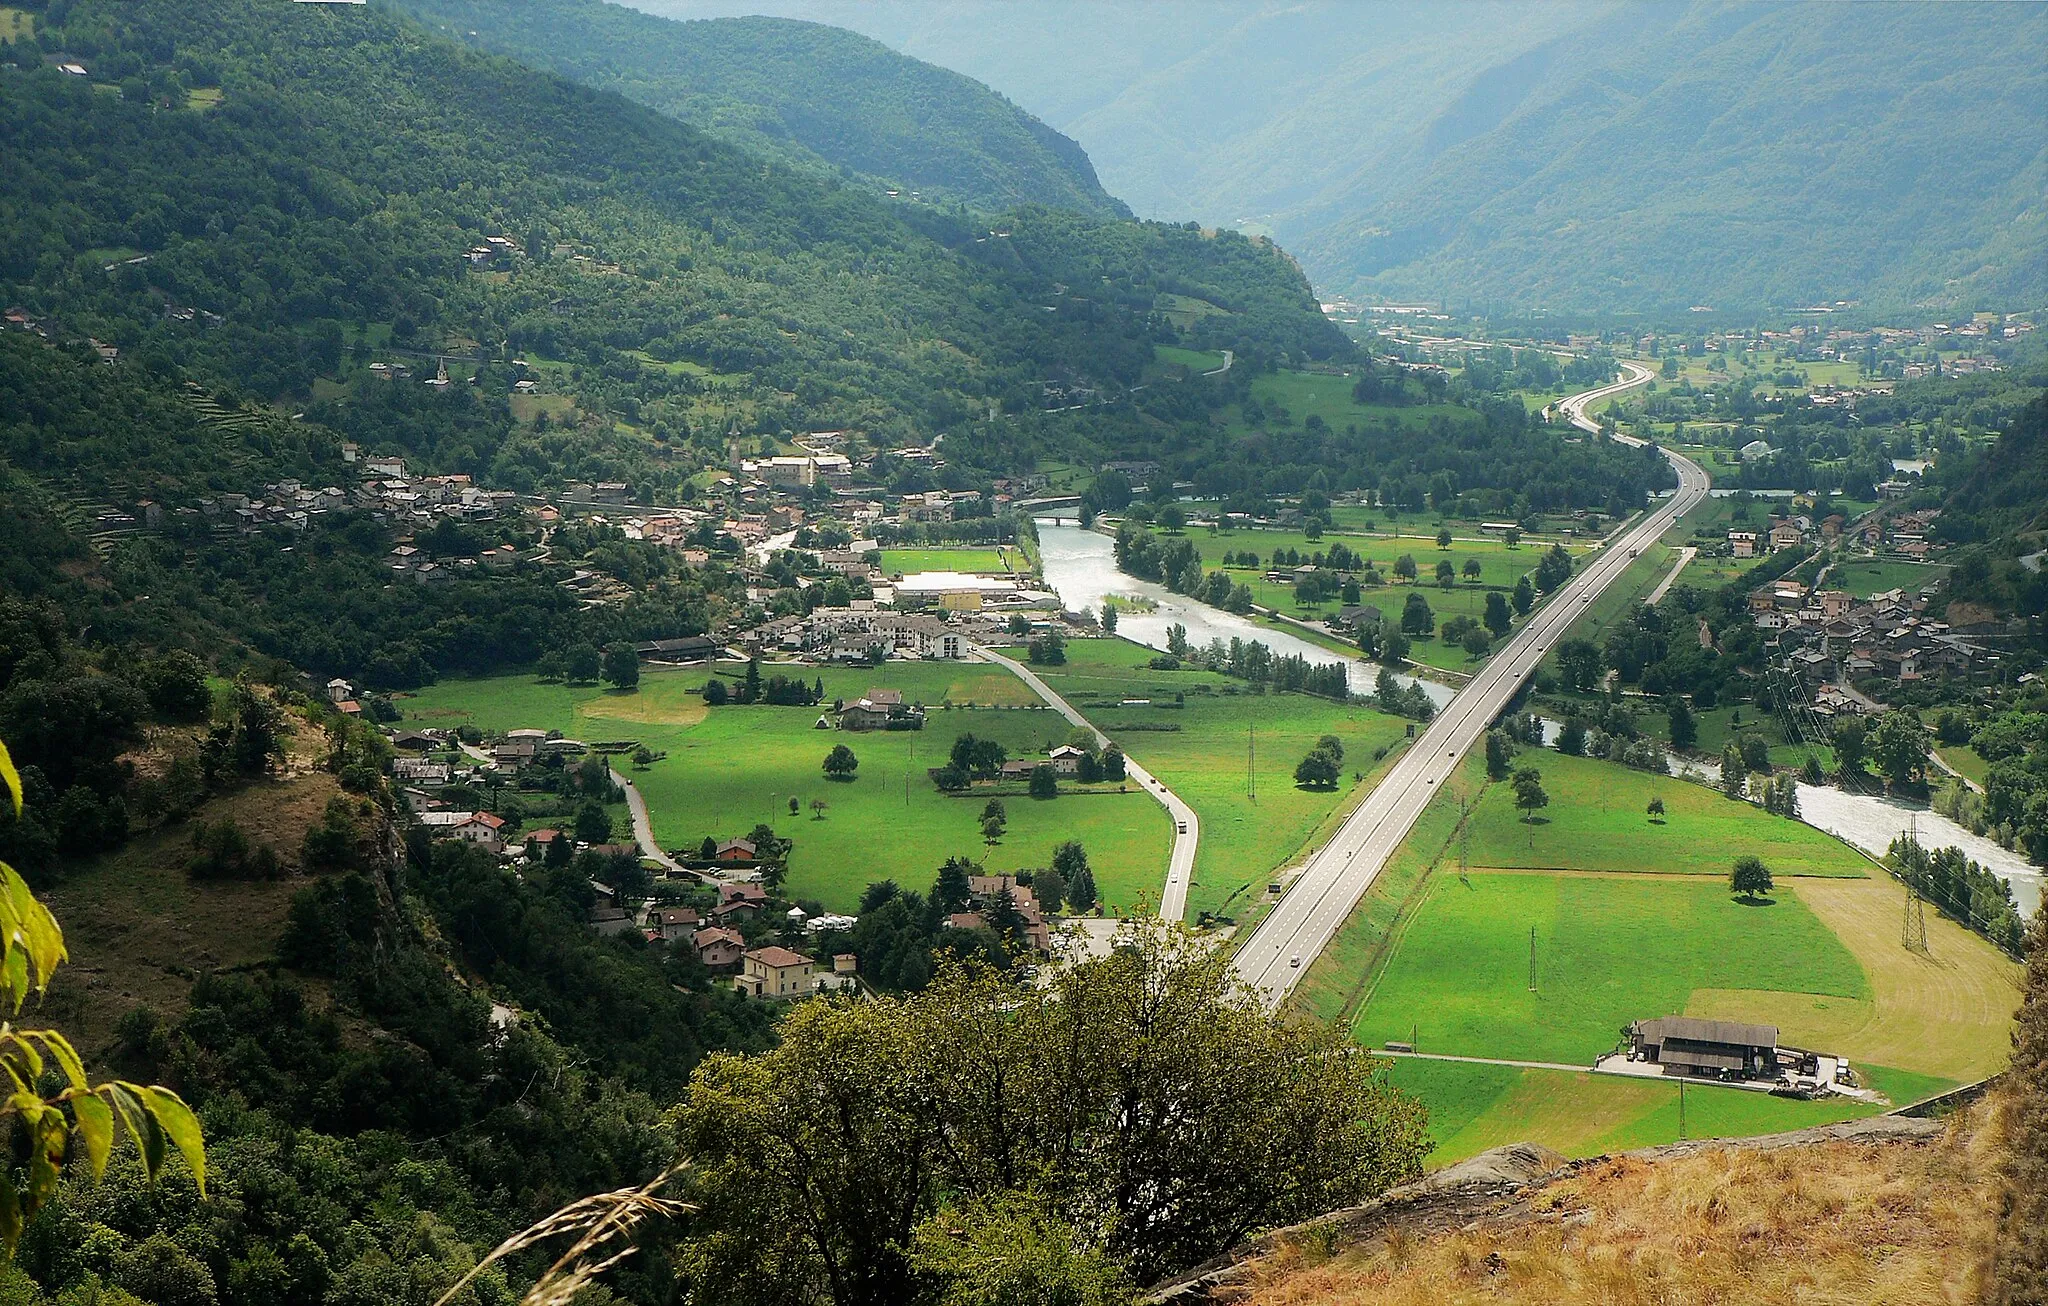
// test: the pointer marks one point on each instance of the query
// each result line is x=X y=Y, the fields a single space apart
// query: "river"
x=1080 y=565
x=1871 y=822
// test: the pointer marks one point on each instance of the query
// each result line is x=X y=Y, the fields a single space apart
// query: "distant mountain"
x=1738 y=156
x=1580 y=155
x=800 y=92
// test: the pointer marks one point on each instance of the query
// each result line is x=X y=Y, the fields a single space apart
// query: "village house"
x=719 y=947
x=480 y=828
x=984 y=890
x=1742 y=544
x=881 y=709
x=607 y=918
x=674 y=924
x=733 y=851
x=775 y=972
x=1066 y=759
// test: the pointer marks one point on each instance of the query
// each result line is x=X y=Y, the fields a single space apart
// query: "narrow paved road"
x=1482 y=1061
x=643 y=826
x=1187 y=827
x=1656 y=596
x=1277 y=953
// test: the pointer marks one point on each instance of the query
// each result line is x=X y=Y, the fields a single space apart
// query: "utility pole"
x=1251 y=763
x=1532 y=959
x=1681 y=1110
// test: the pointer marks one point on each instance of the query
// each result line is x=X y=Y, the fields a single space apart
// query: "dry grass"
x=1840 y=1223
x=140 y=930
x=1945 y=1012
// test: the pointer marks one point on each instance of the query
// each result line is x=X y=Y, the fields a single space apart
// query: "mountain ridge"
x=805 y=93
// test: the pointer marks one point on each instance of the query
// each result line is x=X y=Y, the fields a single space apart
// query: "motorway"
x=1316 y=905
x=1187 y=827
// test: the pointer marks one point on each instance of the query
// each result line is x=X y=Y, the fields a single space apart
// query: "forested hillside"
x=802 y=93
x=276 y=187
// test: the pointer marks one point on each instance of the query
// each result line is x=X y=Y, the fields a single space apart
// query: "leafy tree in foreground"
x=1529 y=795
x=840 y=763
x=1147 y=1100
x=1750 y=877
x=1045 y=782
x=1656 y=810
x=42 y=1127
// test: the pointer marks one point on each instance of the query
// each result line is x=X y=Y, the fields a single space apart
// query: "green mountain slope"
x=1738 y=156
x=1569 y=155
x=800 y=92
x=320 y=196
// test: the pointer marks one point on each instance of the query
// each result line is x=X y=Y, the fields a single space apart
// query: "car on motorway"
x=1295 y=961
x=1180 y=827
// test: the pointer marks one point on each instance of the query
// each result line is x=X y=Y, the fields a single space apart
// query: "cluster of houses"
x=851 y=634
x=1830 y=637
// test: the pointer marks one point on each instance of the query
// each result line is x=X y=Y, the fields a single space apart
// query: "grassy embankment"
x=1633 y=918
x=1201 y=749
x=1839 y=1222
x=732 y=767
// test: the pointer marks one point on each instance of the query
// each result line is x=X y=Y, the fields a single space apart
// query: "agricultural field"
x=16 y=24
x=1202 y=746
x=1475 y=1107
x=908 y=562
x=1608 y=949
x=729 y=768
x=1596 y=822
x=1500 y=567
x=1439 y=950
x=1719 y=725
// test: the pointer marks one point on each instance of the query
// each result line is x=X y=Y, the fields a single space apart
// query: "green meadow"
x=1596 y=821
x=1499 y=568
x=1608 y=949
x=1864 y=577
x=1230 y=753
x=730 y=768
x=1328 y=395
x=1476 y=1107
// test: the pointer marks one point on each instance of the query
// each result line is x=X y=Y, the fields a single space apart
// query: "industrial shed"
x=1709 y=1049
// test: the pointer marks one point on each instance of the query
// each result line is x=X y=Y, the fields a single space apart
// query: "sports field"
x=1202 y=746
x=729 y=768
x=908 y=562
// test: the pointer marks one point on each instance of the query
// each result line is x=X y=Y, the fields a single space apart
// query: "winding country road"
x=1278 y=952
x=1187 y=827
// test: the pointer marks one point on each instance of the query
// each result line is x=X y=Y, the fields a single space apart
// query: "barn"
x=1707 y=1049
